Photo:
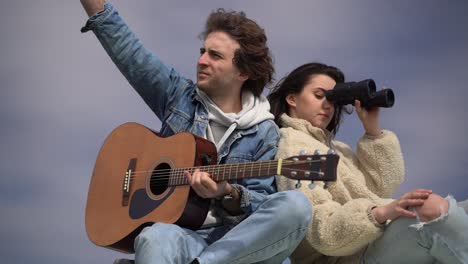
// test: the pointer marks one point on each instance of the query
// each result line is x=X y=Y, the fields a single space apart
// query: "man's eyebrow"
x=215 y=52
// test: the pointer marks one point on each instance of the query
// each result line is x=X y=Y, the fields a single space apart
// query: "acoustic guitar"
x=138 y=179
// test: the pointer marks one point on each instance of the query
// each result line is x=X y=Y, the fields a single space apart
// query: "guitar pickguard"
x=141 y=204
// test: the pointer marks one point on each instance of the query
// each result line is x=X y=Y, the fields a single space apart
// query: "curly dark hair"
x=254 y=57
x=294 y=83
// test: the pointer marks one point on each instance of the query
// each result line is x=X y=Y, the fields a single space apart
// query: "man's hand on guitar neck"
x=205 y=187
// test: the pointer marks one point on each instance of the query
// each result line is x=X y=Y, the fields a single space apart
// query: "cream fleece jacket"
x=342 y=227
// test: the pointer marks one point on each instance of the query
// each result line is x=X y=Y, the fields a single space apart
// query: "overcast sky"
x=61 y=96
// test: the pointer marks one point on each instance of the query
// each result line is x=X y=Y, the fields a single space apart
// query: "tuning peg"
x=298 y=184
x=311 y=185
x=302 y=152
x=331 y=151
x=316 y=152
x=325 y=186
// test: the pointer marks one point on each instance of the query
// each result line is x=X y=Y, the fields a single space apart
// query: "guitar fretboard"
x=225 y=172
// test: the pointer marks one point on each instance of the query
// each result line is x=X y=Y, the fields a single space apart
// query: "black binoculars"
x=364 y=91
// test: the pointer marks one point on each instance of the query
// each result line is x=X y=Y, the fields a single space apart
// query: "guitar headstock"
x=310 y=167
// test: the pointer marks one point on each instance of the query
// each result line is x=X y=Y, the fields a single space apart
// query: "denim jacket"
x=174 y=100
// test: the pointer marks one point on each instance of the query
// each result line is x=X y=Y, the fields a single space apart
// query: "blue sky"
x=61 y=96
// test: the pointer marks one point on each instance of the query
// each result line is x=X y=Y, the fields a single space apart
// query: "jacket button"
x=202 y=117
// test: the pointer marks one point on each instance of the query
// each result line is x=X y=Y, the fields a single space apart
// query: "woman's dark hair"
x=253 y=57
x=294 y=83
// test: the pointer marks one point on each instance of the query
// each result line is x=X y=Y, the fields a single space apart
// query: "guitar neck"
x=230 y=171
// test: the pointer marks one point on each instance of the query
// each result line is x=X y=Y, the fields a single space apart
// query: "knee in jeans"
x=433 y=207
x=158 y=231
x=297 y=206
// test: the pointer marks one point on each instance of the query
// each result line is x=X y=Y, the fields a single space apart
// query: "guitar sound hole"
x=160 y=178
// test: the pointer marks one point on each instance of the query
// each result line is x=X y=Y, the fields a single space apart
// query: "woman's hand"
x=433 y=207
x=369 y=119
x=400 y=206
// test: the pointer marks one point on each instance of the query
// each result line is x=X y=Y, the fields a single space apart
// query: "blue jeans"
x=268 y=235
x=406 y=240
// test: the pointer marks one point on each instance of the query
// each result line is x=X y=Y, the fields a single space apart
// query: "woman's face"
x=310 y=104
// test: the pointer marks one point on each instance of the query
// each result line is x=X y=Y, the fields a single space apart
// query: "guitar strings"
x=251 y=164
x=222 y=167
x=178 y=175
x=185 y=181
x=252 y=167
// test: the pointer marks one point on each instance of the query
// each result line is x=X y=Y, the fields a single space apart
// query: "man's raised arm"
x=92 y=6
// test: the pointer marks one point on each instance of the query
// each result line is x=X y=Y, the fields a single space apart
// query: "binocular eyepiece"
x=364 y=91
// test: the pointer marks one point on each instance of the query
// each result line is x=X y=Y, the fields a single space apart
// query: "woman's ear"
x=291 y=100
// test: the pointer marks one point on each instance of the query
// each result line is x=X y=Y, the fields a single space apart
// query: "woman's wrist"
x=378 y=215
x=374 y=132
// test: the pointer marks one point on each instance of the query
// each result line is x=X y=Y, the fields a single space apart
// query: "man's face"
x=216 y=72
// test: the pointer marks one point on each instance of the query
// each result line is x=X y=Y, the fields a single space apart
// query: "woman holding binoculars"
x=354 y=219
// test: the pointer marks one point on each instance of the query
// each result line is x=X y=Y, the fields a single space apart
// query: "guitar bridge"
x=127 y=180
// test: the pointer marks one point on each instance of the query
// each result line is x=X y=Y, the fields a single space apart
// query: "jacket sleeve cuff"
x=380 y=135
x=229 y=219
x=249 y=200
x=98 y=18
x=244 y=197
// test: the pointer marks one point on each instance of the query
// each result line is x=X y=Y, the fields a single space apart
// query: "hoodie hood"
x=254 y=111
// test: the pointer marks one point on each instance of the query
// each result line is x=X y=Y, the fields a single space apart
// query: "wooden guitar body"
x=131 y=155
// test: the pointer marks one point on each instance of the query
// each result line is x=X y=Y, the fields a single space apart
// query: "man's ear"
x=291 y=100
x=243 y=77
